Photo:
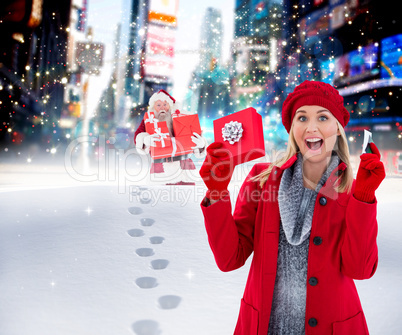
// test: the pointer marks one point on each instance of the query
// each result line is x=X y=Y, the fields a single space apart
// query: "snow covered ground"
x=99 y=258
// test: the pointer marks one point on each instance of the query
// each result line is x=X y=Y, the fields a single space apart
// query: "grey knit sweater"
x=296 y=205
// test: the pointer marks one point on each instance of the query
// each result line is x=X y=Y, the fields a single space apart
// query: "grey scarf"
x=296 y=203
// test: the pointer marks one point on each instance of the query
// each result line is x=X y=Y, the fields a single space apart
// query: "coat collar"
x=341 y=167
x=289 y=162
x=336 y=173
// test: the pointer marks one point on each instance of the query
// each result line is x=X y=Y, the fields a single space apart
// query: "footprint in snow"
x=135 y=232
x=135 y=210
x=146 y=282
x=145 y=201
x=169 y=301
x=147 y=222
x=145 y=252
x=135 y=191
x=159 y=264
x=156 y=239
x=145 y=197
x=146 y=327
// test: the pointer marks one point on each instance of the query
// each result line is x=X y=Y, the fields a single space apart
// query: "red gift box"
x=178 y=147
x=186 y=125
x=244 y=136
x=163 y=140
x=183 y=128
x=153 y=126
x=150 y=122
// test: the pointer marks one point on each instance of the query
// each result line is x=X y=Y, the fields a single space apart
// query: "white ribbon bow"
x=162 y=136
x=152 y=119
x=232 y=132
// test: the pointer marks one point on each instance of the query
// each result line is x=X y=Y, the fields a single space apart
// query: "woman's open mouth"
x=314 y=143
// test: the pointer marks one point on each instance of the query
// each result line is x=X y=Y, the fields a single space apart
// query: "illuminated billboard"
x=327 y=71
x=338 y=13
x=159 y=52
x=315 y=24
x=391 y=57
x=357 y=65
x=163 y=11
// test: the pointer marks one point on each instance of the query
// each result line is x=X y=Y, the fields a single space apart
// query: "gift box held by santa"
x=170 y=137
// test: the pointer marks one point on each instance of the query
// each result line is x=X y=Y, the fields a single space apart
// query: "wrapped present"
x=150 y=122
x=241 y=134
x=179 y=146
x=153 y=126
x=163 y=140
x=181 y=143
x=176 y=149
x=170 y=151
x=186 y=125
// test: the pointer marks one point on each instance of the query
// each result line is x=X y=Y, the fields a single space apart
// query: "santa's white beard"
x=169 y=122
x=167 y=117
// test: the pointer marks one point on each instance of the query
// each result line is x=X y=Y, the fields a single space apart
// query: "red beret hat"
x=314 y=93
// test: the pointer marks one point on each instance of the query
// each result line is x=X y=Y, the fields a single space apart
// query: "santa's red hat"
x=162 y=95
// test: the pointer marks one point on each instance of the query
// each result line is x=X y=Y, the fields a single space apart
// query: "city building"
x=260 y=38
x=33 y=60
x=209 y=88
x=211 y=38
x=257 y=48
x=146 y=52
x=355 y=46
x=74 y=96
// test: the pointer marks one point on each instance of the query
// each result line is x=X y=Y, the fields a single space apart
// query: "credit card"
x=368 y=138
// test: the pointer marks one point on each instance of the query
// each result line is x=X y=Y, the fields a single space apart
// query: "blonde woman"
x=311 y=227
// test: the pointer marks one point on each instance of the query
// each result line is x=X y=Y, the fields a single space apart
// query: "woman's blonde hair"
x=341 y=148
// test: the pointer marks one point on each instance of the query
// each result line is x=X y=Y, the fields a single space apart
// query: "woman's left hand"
x=369 y=176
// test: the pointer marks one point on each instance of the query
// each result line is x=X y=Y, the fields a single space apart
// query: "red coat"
x=342 y=248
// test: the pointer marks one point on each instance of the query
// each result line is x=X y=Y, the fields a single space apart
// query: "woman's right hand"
x=216 y=171
x=369 y=176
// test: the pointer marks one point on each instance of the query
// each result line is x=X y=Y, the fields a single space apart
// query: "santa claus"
x=172 y=170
